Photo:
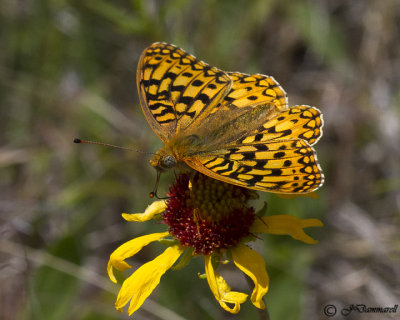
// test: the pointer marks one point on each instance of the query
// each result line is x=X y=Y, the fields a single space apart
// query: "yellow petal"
x=253 y=265
x=222 y=292
x=128 y=249
x=286 y=224
x=155 y=208
x=144 y=280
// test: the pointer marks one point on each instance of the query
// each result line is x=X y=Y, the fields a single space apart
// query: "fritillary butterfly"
x=230 y=126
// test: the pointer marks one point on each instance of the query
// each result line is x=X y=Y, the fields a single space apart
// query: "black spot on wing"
x=179 y=88
x=249 y=156
x=185 y=100
x=275 y=172
x=203 y=98
x=171 y=75
x=278 y=155
x=261 y=164
x=258 y=137
x=197 y=83
x=253 y=180
x=261 y=147
x=229 y=99
x=148 y=83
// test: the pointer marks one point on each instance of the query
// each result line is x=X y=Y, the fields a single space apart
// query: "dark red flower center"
x=208 y=215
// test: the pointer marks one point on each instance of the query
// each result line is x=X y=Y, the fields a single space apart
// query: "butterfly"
x=230 y=126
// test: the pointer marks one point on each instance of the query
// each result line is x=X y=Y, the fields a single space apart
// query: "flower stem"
x=263 y=314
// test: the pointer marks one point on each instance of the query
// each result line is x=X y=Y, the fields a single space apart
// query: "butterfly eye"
x=169 y=162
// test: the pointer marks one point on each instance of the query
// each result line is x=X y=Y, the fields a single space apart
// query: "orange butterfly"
x=230 y=126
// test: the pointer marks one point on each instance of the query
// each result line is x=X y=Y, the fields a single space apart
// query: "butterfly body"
x=230 y=126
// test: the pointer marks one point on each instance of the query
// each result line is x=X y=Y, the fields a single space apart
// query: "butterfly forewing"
x=176 y=88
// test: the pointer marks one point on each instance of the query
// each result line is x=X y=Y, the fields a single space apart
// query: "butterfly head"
x=163 y=161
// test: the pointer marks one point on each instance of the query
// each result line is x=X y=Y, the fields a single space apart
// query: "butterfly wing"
x=249 y=91
x=277 y=157
x=254 y=90
x=175 y=88
x=297 y=122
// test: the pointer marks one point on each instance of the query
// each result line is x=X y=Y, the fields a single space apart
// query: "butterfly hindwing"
x=277 y=157
x=175 y=88
x=280 y=166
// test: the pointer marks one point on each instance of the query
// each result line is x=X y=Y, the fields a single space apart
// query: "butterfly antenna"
x=151 y=194
x=77 y=140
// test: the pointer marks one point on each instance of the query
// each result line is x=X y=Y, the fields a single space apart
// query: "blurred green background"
x=67 y=69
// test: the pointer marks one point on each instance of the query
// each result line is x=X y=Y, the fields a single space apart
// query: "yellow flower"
x=209 y=218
